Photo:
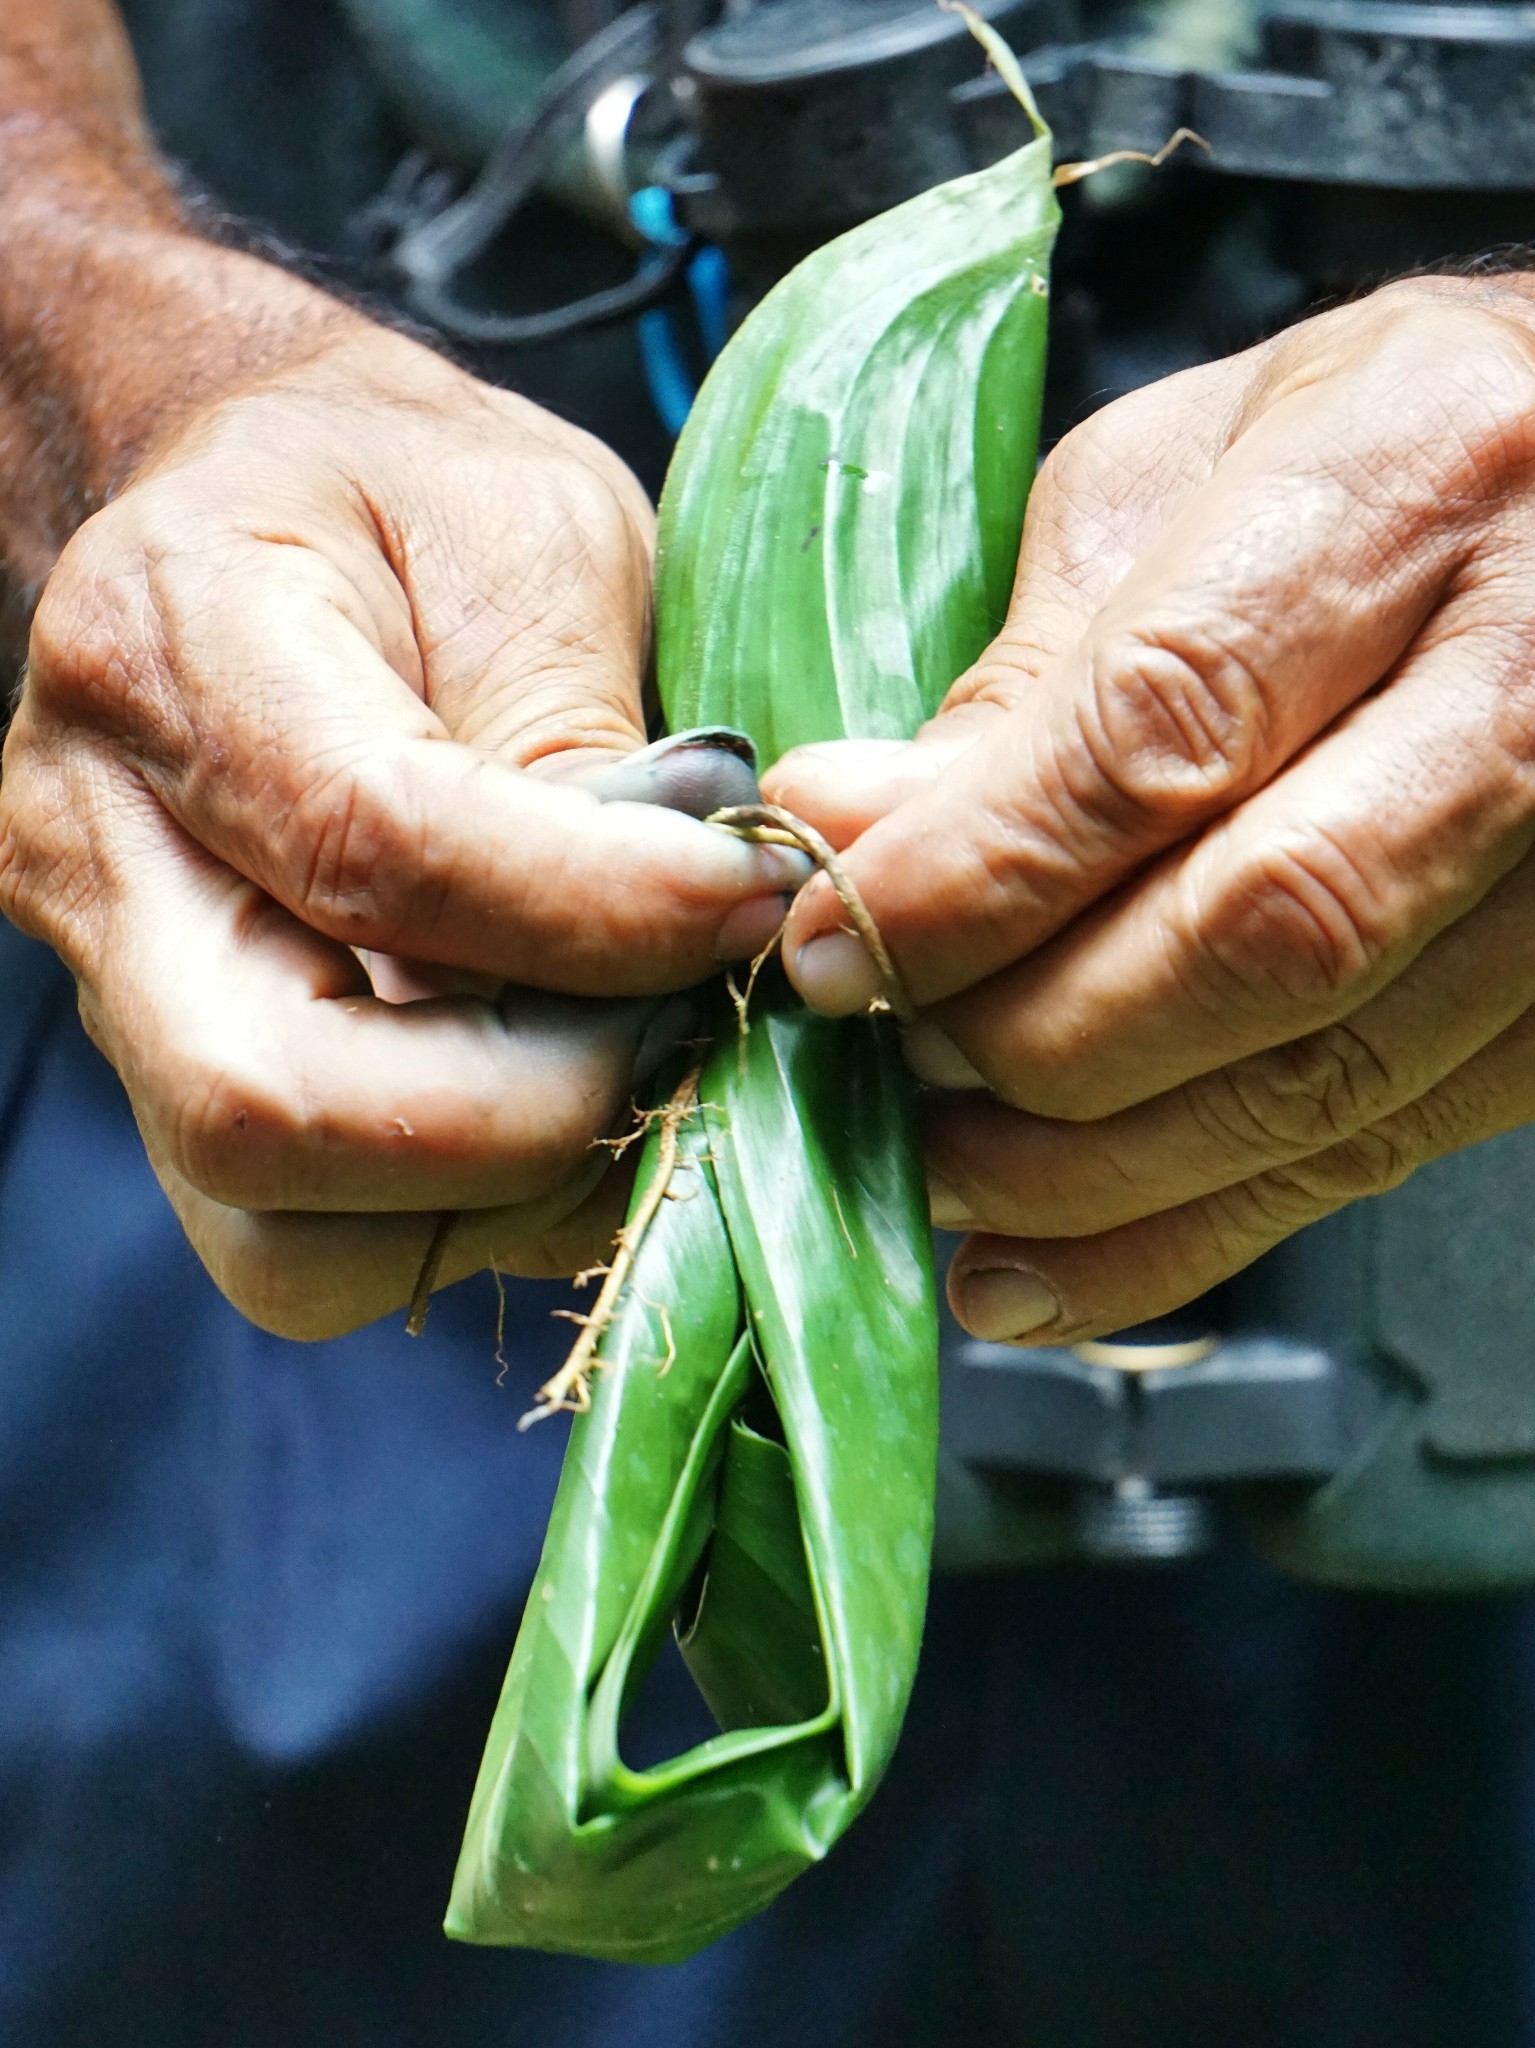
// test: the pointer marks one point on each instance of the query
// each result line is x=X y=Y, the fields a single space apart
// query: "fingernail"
x=674 y=1022
x=934 y=1057
x=851 y=770
x=750 y=927
x=695 y=772
x=784 y=867
x=947 y=1207
x=835 y=974
x=1004 y=1304
x=856 y=758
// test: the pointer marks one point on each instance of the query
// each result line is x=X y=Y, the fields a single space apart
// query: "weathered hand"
x=1215 y=868
x=321 y=680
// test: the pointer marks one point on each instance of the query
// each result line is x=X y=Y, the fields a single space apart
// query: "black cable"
x=658 y=272
x=429 y=254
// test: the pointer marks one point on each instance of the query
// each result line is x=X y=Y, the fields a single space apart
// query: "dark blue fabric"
x=256 y=1599
x=255 y=1602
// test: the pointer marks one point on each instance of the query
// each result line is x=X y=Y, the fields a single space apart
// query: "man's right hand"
x=322 y=679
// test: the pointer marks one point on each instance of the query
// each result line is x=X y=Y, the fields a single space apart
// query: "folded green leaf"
x=567 y=1847
x=839 y=532
x=841 y=521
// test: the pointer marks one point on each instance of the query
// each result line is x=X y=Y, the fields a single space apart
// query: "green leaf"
x=841 y=522
x=753 y=1637
x=816 y=1153
x=567 y=1846
x=838 y=538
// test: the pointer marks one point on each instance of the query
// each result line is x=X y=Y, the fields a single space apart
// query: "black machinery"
x=1362 y=1401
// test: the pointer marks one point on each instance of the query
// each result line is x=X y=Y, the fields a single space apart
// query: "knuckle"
x=1298 y=926
x=1480 y=332
x=1301 y=1097
x=1173 y=722
x=597 y=507
x=267 y=1268
x=1080 y=464
x=579 y=1118
x=1457 y=358
x=1271 y=1206
x=52 y=870
x=1226 y=1231
x=573 y=1061
x=227 y=1132
x=535 y=1157
x=1371 y=1162
x=354 y=858
x=18 y=892
x=1491 y=405
x=96 y=655
x=574 y=523
x=17 y=879
x=234 y=1112
x=1091 y=456
x=74 y=657
x=27 y=900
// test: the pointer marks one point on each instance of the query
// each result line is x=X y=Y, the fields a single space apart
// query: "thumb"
x=1103 y=495
x=1265 y=607
x=843 y=787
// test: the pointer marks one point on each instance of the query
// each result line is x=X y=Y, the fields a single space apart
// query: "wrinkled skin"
x=1224 y=924
x=322 y=680
x=1212 y=877
x=335 y=648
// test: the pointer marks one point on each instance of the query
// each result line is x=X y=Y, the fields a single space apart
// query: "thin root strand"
x=1073 y=174
x=431 y=1267
x=771 y=824
x=569 y=1391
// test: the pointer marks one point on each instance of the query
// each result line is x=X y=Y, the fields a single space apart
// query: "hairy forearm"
x=65 y=65
x=116 y=316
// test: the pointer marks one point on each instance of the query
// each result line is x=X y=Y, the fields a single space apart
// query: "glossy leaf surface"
x=841 y=522
x=839 y=533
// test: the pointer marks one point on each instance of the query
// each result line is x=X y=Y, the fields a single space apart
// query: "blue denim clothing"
x=256 y=1599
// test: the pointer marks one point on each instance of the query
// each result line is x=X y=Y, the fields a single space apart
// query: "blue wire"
x=672 y=389
x=709 y=283
x=653 y=214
